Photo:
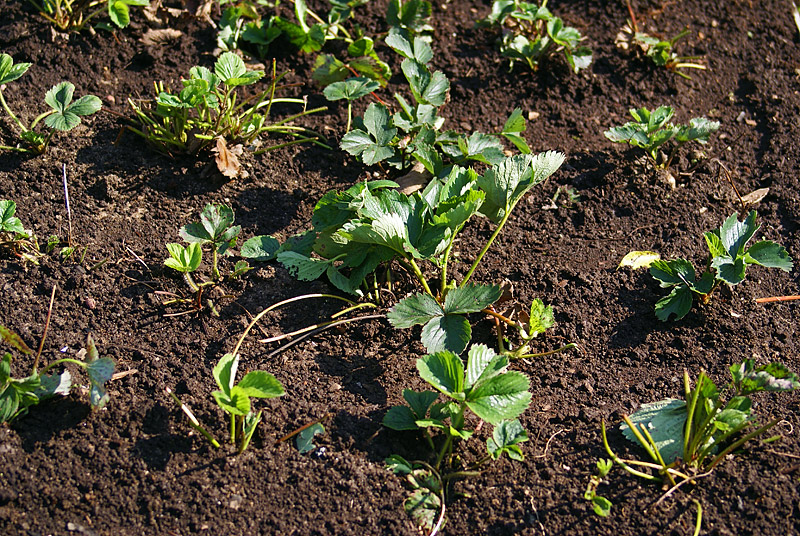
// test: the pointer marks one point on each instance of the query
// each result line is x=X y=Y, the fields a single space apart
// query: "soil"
x=136 y=467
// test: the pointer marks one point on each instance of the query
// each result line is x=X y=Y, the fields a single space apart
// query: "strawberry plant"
x=17 y=395
x=413 y=134
x=14 y=238
x=686 y=439
x=75 y=15
x=411 y=17
x=729 y=257
x=210 y=107
x=63 y=115
x=372 y=224
x=652 y=131
x=486 y=388
x=531 y=33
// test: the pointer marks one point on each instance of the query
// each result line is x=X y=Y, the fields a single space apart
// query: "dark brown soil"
x=137 y=468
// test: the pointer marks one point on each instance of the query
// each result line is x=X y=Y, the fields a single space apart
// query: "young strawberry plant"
x=413 y=134
x=14 y=238
x=729 y=257
x=653 y=132
x=75 y=15
x=210 y=107
x=411 y=17
x=17 y=395
x=63 y=115
x=487 y=388
x=531 y=33
x=372 y=224
x=686 y=439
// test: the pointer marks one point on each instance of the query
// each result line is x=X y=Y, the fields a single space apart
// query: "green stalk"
x=741 y=442
x=420 y=277
x=619 y=461
x=487 y=246
x=691 y=404
x=445 y=259
x=10 y=113
x=699 y=520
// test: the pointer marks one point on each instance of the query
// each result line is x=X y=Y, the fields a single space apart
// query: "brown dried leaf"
x=155 y=38
x=415 y=179
x=226 y=159
x=755 y=196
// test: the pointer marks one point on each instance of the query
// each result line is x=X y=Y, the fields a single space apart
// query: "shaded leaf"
x=664 y=421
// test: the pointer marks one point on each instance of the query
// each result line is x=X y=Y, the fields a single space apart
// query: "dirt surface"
x=136 y=467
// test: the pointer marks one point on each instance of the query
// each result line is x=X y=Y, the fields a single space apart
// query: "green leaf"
x=100 y=371
x=235 y=403
x=225 y=372
x=305 y=439
x=54 y=384
x=471 y=299
x=427 y=88
x=215 y=227
x=502 y=397
x=351 y=89
x=260 y=248
x=748 y=378
x=506 y=437
x=416 y=309
x=184 y=259
x=231 y=69
x=260 y=384
x=541 y=318
x=420 y=402
x=9 y=71
x=398 y=465
x=664 y=421
x=65 y=116
x=732 y=271
x=734 y=234
x=478 y=360
x=448 y=332
x=423 y=506
x=674 y=272
x=678 y=302
x=770 y=255
x=515 y=124
x=601 y=505
x=419 y=51
x=444 y=371
x=372 y=146
x=301 y=266
x=400 y=418
x=8 y=222
x=15 y=341
x=119 y=13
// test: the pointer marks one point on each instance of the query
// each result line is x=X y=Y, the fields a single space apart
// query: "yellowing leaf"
x=639 y=259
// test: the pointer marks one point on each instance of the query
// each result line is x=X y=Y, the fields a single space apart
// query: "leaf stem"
x=487 y=246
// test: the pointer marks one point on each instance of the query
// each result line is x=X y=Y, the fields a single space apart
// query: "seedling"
x=652 y=131
x=490 y=391
x=532 y=33
x=600 y=504
x=371 y=224
x=64 y=115
x=528 y=325
x=17 y=395
x=350 y=90
x=75 y=15
x=686 y=439
x=210 y=106
x=411 y=17
x=413 y=134
x=729 y=257
x=14 y=239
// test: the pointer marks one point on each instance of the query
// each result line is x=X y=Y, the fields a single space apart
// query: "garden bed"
x=136 y=467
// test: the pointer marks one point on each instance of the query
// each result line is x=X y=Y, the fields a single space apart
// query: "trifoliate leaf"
x=423 y=506
x=673 y=272
x=420 y=402
x=449 y=332
x=471 y=298
x=506 y=437
x=749 y=378
x=9 y=71
x=639 y=259
x=184 y=259
x=301 y=266
x=351 y=89
x=416 y=309
x=400 y=418
x=664 y=421
x=8 y=222
x=678 y=302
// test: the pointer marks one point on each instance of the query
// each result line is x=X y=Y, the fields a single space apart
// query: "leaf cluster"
x=17 y=395
x=652 y=131
x=488 y=389
x=63 y=115
x=234 y=398
x=698 y=432
x=729 y=257
x=75 y=15
x=662 y=51
x=531 y=33
x=370 y=224
x=411 y=17
x=210 y=106
x=413 y=134
x=14 y=238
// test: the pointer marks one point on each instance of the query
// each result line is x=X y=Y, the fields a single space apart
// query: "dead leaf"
x=415 y=179
x=639 y=259
x=226 y=159
x=155 y=38
x=755 y=196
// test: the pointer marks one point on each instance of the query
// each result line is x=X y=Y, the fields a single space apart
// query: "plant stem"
x=699 y=520
x=487 y=246
x=618 y=460
x=46 y=326
x=10 y=113
x=420 y=277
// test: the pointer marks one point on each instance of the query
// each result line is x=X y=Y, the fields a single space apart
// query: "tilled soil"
x=136 y=467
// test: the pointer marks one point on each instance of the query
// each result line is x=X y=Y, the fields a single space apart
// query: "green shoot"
x=600 y=504
x=14 y=239
x=729 y=257
x=531 y=33
x=652 y=131
x=490 y=391
x=75 y=15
